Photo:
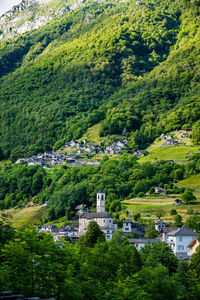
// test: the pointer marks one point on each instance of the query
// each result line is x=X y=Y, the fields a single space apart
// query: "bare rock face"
x=32 y=14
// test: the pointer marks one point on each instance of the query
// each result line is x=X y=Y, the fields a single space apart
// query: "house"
x=159 y=225
x=49 y=228
x=85 y=141
x=179 y=240
x=159 y=190
x=141 y=243
x=130 y=227
x=178 y=202
x=164 y=231
x=193 y=246
x=80 y=209
x=67 y=231
x=103 y=219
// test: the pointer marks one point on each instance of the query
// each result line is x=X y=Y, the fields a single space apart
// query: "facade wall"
x=127 y=227
x=179 y=243
x=102 y=222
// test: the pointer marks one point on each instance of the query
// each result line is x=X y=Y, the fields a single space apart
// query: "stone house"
x=49 y=228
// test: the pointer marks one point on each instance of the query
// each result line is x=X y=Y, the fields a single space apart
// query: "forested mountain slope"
x=131 y=64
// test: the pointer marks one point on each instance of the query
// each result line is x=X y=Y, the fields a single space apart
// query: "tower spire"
x=101 y=198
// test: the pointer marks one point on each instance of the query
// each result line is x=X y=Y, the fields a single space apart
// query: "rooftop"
x=142 y=241
x=90 y=216
x=183 y=232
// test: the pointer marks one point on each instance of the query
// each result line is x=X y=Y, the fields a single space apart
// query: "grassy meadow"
x=27 y=216
x=148 y=208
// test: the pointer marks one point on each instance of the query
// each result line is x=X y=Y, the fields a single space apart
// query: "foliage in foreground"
x=33 y=264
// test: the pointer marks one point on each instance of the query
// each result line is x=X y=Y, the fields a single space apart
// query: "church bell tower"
x=101 y=198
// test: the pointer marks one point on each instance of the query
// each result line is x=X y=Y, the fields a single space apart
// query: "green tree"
x=93 y=235
x=151 y=232
x=173 y=212
x=159 y=253
x=196 y=132
x=193 y=223
x=188 y=196
x=178 y=221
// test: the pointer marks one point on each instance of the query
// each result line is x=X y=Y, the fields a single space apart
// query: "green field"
x=148 y=207
x=27 y=216
x=179 y=153
x=191 y=182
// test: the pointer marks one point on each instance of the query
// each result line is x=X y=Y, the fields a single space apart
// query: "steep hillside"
x=130 y=66
x=33 y=14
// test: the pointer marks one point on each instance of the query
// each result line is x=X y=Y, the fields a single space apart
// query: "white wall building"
x=103 y=219
x=159 y=225
x=179 y=241
x=141 y=243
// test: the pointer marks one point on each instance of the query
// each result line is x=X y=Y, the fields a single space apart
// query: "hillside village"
x=182 y=241
x=75 y=153
x=72 y=153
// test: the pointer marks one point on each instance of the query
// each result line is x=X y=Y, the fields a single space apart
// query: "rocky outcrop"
x=32 y=14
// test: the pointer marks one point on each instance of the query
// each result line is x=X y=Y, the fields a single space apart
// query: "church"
x=103 y=219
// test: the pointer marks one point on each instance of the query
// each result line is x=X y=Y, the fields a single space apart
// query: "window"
x=109 y=220
x=180 y=247
x=180 y=238
x=126 y=228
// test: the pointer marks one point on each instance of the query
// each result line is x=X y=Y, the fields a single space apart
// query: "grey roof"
x=183 y=232
x=160 y=222
x=144 y=241
x=95 y=215
x=106 y=228
x=168 y=229
x=101 y=191
x=127 y=221
x=80 y=206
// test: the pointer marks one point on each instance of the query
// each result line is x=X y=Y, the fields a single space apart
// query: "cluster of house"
x=47 y=158
x=182 y=241
x=85 y=147
x=168 y=140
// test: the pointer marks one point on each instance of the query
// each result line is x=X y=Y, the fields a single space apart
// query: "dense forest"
x=126 y=65
x=34 y=265
x=66 y=187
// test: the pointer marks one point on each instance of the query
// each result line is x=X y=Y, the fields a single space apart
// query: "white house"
x=159 y=225
x=130 y=227
x=80 y=209
x=103 y=219
x=166 y=230
x=179 y=241
x=67 y=231
x=49 y=228
x=141 y=243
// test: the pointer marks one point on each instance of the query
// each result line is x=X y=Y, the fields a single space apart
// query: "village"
x=182 y=241
x=77 y=153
